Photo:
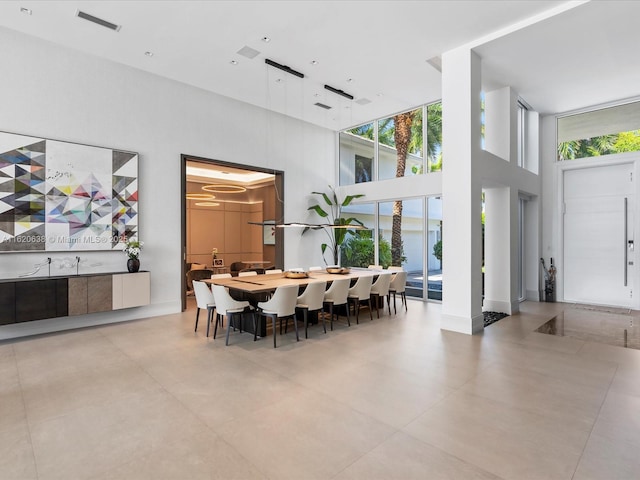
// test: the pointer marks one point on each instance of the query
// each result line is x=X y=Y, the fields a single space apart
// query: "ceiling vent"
x=98 y=21
x=322 y=105
x=248 y=52
x=363 y=101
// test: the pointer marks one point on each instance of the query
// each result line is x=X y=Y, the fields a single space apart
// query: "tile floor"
x=396 y=398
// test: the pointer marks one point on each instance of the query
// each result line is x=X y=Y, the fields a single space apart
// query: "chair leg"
x=215 y=328
x=324 y=327
x=305 y=314
x=377 y=300
x=256 y=324
x=331 y=313
x=404 y=301
x=273 y=320
x=356 y=310
x=295 y=325
x=197 y=315
x=370 y=312
x=229 y=322
x=348 y=315
x=209 y=317
x=395 y=311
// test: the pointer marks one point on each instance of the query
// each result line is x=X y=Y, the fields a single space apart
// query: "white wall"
x=58 y=93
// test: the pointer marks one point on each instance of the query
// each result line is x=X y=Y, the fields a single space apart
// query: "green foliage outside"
x=386 y=132
x=602 y=145
x=437 y=250
x=358 y=250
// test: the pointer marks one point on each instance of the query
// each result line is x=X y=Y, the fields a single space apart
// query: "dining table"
x=257 y=288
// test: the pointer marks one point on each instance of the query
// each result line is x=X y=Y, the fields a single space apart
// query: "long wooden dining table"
x=255 y=288
x=265 y=283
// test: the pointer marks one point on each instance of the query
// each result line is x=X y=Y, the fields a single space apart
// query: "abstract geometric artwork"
x=60 y=196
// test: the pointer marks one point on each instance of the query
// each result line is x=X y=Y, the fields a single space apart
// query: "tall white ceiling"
x=558 y=55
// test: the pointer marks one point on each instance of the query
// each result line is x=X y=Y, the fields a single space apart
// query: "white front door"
x=599 y=258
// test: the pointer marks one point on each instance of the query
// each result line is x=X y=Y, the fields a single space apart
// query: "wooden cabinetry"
x=25 y=300
x=131 y=290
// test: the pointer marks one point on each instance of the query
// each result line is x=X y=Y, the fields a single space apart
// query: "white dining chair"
x=315 y=269
x=393 y=268
x=312 y=300
x=375 y=267
x=205 y=301
x=360 y=292
x=380 y=290
x=220 y=275
x=272 y=271
x=398 y=285
x=336 y=296
x=281 y=305
x=247 y=274
x=228 y=306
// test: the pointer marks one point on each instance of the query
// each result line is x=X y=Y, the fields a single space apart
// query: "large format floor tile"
x=392 y=398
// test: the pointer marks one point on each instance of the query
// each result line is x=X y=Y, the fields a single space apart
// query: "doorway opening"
x=221 y=204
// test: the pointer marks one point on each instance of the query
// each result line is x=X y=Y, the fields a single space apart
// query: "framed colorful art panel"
x=62 y=196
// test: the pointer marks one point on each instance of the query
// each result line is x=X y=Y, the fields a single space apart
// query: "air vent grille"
x=248 y=52
x=98 y=21
x=322 y=105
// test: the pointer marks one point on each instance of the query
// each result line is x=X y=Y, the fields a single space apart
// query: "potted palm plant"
x=336 y=227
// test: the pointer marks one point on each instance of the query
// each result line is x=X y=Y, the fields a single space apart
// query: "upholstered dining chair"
x=272 y=271
x=315 y=269
x=205 y=301
x=312 y=300
x=380 y=290
x=228 y=306
x=393 y=268
x=398 y=285
x=220 y=275
x=281 y=305
x=248 y=273
x=336 y=296
x=375 y=267
x=360 y=292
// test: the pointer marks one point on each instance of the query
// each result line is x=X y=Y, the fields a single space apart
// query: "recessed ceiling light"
x=316 y=95
x=314 y=62
x=26 y=11
x=380 y=95
x=233 y=62
x=349 y=80
x=278 y=80
x=149 y=54
x=266 y=39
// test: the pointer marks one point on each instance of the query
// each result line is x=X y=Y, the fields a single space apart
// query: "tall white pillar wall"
x=461 y=189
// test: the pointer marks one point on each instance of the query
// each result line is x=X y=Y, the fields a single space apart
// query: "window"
x=600 y=132
x=357 y=154
x=392 y=147
x=522 y=131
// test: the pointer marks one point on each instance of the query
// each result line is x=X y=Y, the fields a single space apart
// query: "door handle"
x=626 y=248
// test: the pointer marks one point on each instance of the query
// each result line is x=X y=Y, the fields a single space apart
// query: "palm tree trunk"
x=402 y=137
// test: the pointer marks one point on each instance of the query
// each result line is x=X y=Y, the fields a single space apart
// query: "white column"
x=461 y=189
x=501 y=230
